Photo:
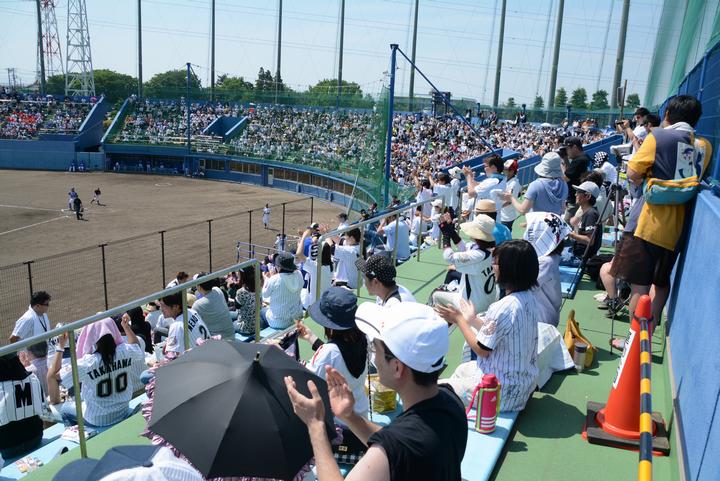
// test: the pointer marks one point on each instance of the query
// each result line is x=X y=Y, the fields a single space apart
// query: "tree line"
x=579 y=100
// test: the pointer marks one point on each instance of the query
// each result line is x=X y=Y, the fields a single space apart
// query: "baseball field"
x=121 y=245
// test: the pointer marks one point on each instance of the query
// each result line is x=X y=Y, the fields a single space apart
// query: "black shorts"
x=642 y=263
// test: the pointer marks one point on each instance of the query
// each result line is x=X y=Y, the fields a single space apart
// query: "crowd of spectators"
x=160 y=122
x=25 y=117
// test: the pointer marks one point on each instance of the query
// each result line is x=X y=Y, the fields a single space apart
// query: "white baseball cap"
x=589 y=188
x=131 y=463
x=412 y=331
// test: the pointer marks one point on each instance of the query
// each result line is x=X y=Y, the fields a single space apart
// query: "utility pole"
x=496 y=93
x=41 y=50
x=212 y=54
x=140 y=80
x=279 y=50
x=556 y=58
x=411 y=107
x=620 y=53
x=340 y=59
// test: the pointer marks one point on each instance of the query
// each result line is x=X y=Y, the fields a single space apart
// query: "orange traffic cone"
x=617 y=423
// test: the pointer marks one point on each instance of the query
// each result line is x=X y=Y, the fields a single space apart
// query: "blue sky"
x=457 y=41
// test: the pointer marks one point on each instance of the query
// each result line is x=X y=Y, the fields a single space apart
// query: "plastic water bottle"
x=488 y=404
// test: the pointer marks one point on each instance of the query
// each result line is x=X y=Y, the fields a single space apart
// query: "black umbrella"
x=225 y=407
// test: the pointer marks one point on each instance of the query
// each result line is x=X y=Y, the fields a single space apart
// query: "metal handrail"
x=361 y=225
x=73 y=326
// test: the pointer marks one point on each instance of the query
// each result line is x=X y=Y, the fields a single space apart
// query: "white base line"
x=33 y=225
x=29 y=208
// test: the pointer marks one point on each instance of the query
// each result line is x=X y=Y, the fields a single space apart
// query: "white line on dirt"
x=33 y=225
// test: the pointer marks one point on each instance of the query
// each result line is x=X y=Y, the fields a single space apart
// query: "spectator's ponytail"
x=105 y=346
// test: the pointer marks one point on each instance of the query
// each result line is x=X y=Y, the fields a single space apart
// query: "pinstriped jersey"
x=106 y=388
x=20 y=399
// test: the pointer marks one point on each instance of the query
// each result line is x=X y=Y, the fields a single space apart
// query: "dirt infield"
x=35 y=224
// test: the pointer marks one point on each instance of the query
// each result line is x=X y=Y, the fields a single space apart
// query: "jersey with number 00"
x=176 y=334
x=106 y=388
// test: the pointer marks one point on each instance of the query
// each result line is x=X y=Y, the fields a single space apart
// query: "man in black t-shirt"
x=427 y=440
x=586 y=194
x=578 y=163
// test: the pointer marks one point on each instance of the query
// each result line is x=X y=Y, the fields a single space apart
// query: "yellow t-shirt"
x=660 y=224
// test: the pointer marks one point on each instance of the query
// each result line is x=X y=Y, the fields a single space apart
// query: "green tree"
x=599 y=100
x=510 y=103
x=171 y=84
x=329 y=87
x=561 y=98
x=233 y=88
x=115 y=86
x=265 y=81
x=633 y=101
x=539 y=102
x=55 y=85
x=578 y=99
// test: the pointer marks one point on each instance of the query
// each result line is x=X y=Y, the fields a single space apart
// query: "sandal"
x=618 y=343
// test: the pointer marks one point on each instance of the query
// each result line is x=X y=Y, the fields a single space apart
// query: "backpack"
x=677 y=191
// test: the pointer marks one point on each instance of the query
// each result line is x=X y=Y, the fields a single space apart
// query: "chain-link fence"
x=91 y=279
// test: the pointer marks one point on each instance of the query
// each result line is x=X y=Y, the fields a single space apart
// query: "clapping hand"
x=342 y=401
x=308 y=409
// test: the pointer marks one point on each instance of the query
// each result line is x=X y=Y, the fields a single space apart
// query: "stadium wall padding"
x=694 y=334
x=37 y=154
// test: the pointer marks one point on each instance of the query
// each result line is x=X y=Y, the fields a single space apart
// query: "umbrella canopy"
x=225 y=407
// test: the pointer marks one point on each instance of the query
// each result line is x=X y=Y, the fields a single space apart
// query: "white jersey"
x=477 y=282
x=266 y=215
x=345 y=271
x=20 y=399
x=106 y=388
x=510 y=330
x=402 y=294
x=329 y=355
x=31 y=324
x=176 y=335
x=509 y=213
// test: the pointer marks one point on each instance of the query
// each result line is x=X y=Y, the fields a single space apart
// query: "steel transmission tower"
x=50 y=41
x=79 y=78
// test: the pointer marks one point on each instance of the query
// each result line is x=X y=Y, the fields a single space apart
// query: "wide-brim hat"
x=284 y=261
x=455 y=172
x=550 y=166
x=485 y=205
x=481 y=228
x=335 y=309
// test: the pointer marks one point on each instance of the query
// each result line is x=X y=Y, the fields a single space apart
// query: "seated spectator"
x=379 y=277
x=245 y=302
x=427 y=441
x=213 y=309
x=473 y=262
x=172 y=309
x=282 y=288
x=140 y=327
x=345 y=351
x=586 y=232
x=180 y=278
x=507 y=331
x=21 y=430
x=153 y=314
x=107 y=374
x=547 y=232
x=548 y=192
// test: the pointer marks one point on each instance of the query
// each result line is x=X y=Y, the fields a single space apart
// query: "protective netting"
x=686 y=31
